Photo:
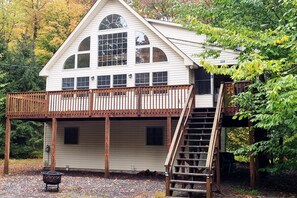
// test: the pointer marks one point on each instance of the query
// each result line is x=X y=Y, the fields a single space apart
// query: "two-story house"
x=116 y=92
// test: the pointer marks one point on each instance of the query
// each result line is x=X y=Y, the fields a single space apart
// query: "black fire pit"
x=52 y=178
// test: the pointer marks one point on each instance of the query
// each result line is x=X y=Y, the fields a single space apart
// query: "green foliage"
x=237 y=138
x=265 y=33
x=247 y=191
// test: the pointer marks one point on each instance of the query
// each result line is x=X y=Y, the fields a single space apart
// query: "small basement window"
x=71 y=135
x=154 y=136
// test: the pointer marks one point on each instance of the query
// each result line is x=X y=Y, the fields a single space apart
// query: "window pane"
x=112 y=49
x=142 y=55
x=160 y=78
x=69 y=63
x=112 y=21
x=154 y=136
x=141 y=39
x=120 y=80
x=82 y=83
x=159 y=55
x=103 y=82
x=84 y=45
x=67 y=83
x=142 y=79
x=83 y=60
x=202 y=81
x=71 y=135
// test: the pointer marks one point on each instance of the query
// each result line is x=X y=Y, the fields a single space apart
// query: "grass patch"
x=21 y=166
x=247 y=191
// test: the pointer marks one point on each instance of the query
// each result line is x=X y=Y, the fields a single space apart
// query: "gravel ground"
x=82 y=185
x=25 y=180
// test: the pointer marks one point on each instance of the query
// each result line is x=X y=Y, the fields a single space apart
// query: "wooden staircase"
x=190 y=169
x=192 y=164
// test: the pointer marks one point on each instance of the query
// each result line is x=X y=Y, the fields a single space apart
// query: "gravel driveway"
x=82 y=185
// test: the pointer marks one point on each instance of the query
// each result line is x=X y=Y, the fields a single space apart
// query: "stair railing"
x=178 y=134
x=214 y=142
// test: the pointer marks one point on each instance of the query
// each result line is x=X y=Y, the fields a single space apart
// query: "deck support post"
x=107 y=145
x=169 y=131
x=7 y=146
x=167 y=184
x=53 y=147
x=209 y=186
x=252 y=162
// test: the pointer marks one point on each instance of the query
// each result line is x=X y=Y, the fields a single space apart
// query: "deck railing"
x=121 y=102
x=231 y=89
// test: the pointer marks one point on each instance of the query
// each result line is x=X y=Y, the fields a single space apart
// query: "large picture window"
x=112 y=49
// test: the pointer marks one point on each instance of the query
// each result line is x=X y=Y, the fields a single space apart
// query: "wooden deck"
x=158 y=101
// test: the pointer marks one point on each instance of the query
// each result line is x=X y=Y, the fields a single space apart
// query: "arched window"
x=70 y=62
x=145 y=52
x=85 y=44
x=83 y=58
x=159 y=55
x=141 y=39
x=112 y=21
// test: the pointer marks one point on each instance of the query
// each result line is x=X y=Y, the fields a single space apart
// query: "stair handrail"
x=178 y=134
x=215 y=130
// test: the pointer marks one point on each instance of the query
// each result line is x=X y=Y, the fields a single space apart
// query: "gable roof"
x=86 y=20
x=192 y=44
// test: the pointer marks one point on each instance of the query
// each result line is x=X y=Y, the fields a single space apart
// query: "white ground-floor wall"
x=128 y=148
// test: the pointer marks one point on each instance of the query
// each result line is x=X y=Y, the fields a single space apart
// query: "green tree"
x=265 y=33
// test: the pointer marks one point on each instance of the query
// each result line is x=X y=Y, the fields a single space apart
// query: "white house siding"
x=204 y=100
x=176 y=31
x=227 y=57
x=177 y=72
x=128 y=149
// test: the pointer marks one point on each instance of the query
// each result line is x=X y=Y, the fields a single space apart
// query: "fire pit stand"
x=52 y=178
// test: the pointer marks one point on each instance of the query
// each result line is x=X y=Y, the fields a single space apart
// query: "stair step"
x=190 y=159
x=188 y=166
x=195 y=146
x=200 y=122
x=190 y=128
x=197 y=140
x=188 y=190
x=188 y=152
x=197 y=134
x=191 y=174
x=187 y=182
x=202 y=112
